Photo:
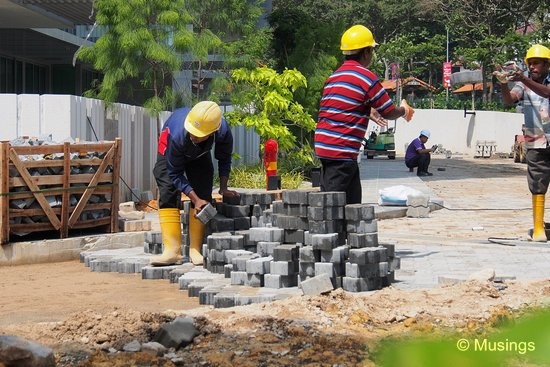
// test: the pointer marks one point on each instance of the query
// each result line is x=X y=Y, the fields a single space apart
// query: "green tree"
x=484 y=30
x=264 y=100
x=226 y=36
x=142 y=40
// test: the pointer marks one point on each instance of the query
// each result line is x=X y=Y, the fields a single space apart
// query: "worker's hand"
x=516 y=76
x=377 y=118
x=228 y=193
x=508 y=72
x=409 y=111
x=501 y=76
x=199 y=205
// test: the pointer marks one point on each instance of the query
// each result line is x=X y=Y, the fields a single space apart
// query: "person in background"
x=184 y=164
x=534 y=90
x=350 y=96
x=417 y=155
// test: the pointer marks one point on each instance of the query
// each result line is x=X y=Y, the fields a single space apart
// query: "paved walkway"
x=427 y=261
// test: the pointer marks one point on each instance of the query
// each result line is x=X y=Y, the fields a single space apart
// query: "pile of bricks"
x=299 y=237
x=266 y=246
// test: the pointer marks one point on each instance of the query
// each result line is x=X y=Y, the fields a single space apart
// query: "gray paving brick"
x=294 y=235
x=361 y=284
x=266 y=234
x=367 y=255
x=359 y=212
x=283 y=267
x=266 y=248
x=259 y=265
x=362 y=226
x=286 y=253
x=280 y=281
x=360 y=240
x=295 y=196
x=324 y=241
x=317 y=285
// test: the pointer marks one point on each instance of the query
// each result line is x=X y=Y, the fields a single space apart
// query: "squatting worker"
x=417 y=155
x=348 y=96
x=534 y=91
x=184 y=164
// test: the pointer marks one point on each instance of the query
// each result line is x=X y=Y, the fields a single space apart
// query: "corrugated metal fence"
x=65 y=117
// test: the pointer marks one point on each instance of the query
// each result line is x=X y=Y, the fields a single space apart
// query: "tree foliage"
x=413 y=33
x=264 y=100
x=142 y=40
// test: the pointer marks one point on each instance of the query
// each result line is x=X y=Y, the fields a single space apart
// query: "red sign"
x=394 y=69
x=446 y=75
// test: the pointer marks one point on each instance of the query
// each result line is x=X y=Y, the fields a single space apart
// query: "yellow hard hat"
x=356 y=38
x=204 y=118
x=537 y=51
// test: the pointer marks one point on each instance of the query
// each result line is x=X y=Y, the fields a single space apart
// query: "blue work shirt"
x=412 y=149
x=175 y=144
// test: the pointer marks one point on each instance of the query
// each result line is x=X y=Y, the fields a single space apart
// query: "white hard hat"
x=425 y=132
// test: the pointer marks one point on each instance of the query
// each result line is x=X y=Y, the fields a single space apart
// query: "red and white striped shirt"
x=349 y=94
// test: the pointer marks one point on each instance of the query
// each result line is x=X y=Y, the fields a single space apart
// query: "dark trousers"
x=199 y=173
x=538 y=170
x=421 y=160
x=342 y=176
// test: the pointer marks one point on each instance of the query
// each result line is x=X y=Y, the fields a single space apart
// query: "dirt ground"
x=81 y=314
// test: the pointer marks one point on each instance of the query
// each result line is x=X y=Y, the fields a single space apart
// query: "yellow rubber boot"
x=539 y=232
x=196 y=234
x=170 y=227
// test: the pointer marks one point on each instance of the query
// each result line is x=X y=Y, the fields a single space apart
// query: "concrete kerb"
x=58 y=250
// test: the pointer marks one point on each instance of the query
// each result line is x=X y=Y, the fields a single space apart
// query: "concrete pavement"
x=429 y=259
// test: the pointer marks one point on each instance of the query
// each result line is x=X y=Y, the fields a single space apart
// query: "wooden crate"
x=75 y=186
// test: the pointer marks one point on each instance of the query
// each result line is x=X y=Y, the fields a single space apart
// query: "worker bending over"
x=184 y=164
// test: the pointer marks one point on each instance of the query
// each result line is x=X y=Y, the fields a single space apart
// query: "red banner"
x=446 y=75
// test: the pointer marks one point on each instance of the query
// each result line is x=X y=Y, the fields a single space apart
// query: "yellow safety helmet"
x=203 y=119
x=356 y=38
x=537 y=51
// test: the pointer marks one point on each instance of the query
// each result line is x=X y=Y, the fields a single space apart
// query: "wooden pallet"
x=59 y=179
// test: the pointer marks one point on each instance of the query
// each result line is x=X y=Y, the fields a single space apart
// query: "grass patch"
x=253 y=177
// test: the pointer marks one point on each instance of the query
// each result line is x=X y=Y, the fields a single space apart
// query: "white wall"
x=67 y=117
x=457 y=133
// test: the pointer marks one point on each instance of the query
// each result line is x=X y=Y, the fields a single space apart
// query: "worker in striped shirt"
x=351 y=95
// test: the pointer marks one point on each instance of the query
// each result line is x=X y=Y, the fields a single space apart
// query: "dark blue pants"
x=421 y=160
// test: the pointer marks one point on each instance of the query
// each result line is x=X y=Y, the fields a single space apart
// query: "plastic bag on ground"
x=396 y=195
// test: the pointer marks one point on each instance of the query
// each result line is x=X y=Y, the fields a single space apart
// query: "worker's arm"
x=404 y=111
x=224 y=191
x=508 y=97
x=223 y=150
x=198 y=203
x=539 y=88
x=377 y=118
x=427 y=150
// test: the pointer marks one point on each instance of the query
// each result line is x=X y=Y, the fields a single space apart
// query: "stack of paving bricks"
x=369 y=265
x=306 y=234
x=326 y=236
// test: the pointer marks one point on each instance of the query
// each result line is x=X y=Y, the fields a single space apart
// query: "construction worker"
x=417 y=155
x=184 y=164
x=534 y=90
x=349 y=95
